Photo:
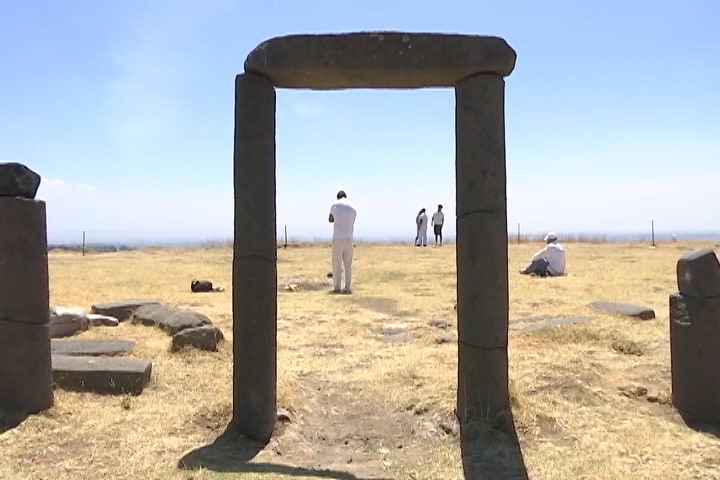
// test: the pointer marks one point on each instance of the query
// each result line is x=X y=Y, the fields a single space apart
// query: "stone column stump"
x=695 y=337
x=25 y=368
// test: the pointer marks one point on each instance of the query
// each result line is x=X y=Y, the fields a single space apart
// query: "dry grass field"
x=578 y=399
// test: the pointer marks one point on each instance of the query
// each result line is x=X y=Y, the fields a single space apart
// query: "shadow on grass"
x=231 y=453
x=8 y=420
x=700 y=426
x=492 y=451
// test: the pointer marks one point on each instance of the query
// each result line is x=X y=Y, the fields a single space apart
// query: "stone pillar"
x=25 y=369
x=695 y=337
x=254 y=259
x=482 y=283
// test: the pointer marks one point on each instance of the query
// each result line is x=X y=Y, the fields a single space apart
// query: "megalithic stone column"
x=25 y=370
x=482 y=282
x=254 y=259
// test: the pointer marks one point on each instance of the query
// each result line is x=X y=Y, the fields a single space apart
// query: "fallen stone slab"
x=101 y=374
x=379 y=59
x=624 y=309
x=66 y=322
x=122 y=310
x=544 y=322
x=17 y=180
x=102 y=320
x=170 y=319
x=698 y=274
x=206 y=337
x=91 y=347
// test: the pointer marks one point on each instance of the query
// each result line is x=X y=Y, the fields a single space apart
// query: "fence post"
x=83 y=245
x=518 y=235
x=286 y=243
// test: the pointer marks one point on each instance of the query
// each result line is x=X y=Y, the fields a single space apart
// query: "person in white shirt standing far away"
x=437 y=221
x=342 y=216
x=550 y=261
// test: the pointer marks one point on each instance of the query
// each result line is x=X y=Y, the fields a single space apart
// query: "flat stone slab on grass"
x=541 y=322
x=101 y=374
x=170 y=319
x=379 y=59
x=66 y=322
x=624 y=309
x=91 y=347
x=122 y=310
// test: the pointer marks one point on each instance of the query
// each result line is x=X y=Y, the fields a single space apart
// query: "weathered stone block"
x=23 y=268
x=17 y=180
x=101 y=374
x=695 y=356
x=698 y=274
x=25 y=380
x=91 y=347
x=122 y=310
x=379 y=59
x=206 y=337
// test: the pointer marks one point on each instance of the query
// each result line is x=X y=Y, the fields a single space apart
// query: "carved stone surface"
x=17 y=180
x=695 y=356
x=101 y=374
x=698 y=274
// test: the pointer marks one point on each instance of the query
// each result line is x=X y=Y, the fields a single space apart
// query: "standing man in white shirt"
x=342 y=216
x=438 y=219
x=550 y=261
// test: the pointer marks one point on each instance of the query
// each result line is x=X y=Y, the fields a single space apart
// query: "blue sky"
x=126 y=110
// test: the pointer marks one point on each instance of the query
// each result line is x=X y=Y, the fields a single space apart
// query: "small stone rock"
x=652 y=398
x=410 y=405
x=450 y=427
x=205 y=337
x=633 y=391
x=292 y=287
x=17 y=180
x=284 y=416
x=444 y=338
x=421 y=408
x=66 y=322
x=439 y=323
x=102 y=320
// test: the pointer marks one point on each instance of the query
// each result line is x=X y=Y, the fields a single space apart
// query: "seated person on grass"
x=548 y=262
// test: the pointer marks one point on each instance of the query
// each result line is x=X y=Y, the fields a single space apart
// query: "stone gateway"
x=475 y=67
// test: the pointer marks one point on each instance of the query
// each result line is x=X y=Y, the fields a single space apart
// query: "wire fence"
x=122 y=240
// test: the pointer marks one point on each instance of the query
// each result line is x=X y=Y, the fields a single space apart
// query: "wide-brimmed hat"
x=550 y=237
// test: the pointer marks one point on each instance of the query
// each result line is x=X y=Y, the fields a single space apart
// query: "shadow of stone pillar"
x=25 y=369
x=482 y=306
x=254 y=260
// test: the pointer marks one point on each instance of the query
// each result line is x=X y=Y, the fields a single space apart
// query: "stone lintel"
x=379 y=59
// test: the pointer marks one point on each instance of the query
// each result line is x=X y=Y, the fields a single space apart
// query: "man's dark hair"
x=439 y=207
x=341 y=194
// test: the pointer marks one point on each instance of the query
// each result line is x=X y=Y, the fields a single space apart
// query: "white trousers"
x=342 y=257
x=422 y=236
